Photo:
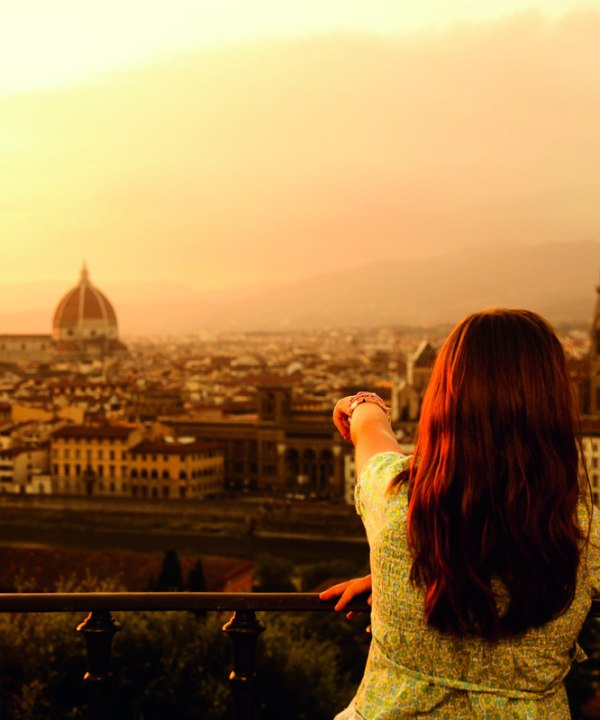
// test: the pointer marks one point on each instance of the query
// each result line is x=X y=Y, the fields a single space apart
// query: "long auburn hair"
x=494 y=483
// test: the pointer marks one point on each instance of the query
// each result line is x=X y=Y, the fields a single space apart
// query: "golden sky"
x=224 y=143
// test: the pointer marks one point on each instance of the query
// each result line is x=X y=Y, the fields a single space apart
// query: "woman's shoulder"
x=384 y=465
x=375 y=478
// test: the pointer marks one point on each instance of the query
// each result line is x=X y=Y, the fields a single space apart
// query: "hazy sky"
x=226 y=143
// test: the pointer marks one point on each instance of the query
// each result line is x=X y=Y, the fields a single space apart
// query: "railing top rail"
x=153 y=601
x=71 y=602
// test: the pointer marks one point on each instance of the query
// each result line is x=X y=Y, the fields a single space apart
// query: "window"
x=100 y=454
x=77 y=453
x=111 y=471
x=66 y=453
x=77 y=470
x=111 y=455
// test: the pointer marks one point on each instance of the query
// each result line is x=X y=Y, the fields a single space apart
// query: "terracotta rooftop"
x=83 y=302
x=162 y=447
x=93 y=431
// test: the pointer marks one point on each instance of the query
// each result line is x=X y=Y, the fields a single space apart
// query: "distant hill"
x=557 y=280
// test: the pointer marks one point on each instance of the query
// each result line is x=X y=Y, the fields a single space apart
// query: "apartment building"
x=171 y=468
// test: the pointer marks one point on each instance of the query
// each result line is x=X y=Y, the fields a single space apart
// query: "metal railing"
x=243 y=629
x=99 y=629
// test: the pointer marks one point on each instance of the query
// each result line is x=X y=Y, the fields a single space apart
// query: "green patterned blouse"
x=414 y=670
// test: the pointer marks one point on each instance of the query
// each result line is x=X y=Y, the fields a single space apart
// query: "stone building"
x=589 y=393
x=176 y=469
x=285 y=447
x=24 y=470
x=92 y=459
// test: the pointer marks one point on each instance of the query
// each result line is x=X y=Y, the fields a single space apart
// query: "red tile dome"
x=84 y=313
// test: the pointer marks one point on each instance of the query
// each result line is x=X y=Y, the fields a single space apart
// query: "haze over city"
x=210 y=149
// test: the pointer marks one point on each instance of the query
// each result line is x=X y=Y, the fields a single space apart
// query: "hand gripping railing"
x=99 y=629
x=243 y=629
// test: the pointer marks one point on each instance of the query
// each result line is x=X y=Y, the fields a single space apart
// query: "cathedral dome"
x=84 y=313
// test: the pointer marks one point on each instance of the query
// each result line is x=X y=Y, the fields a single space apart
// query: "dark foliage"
x=170 y=577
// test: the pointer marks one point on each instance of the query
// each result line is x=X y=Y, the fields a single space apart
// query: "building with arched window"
x=175 y=469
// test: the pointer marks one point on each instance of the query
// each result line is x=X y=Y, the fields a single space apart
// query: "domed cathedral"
x=85 y=323
x=84 y=328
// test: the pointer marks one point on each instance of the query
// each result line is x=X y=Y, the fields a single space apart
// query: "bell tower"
x=595 y=359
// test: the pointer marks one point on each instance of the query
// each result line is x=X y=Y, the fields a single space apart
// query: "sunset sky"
x=219 y=144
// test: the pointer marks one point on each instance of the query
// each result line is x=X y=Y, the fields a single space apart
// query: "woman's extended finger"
x=334 y=590
x=353 y=589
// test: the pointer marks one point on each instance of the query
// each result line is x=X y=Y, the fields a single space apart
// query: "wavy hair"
x=494 y=483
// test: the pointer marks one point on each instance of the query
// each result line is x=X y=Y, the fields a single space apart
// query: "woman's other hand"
x=346 y=591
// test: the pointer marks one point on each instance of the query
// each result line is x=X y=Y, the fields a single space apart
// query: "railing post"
x=98 y=629
x=243 y=630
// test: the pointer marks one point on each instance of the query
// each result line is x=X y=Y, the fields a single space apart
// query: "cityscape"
x=228 y=418
x=218 y=219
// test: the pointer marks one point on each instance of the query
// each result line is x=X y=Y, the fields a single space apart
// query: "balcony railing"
x=243 y=629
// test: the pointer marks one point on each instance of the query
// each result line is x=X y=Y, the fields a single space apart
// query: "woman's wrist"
x=367 y=397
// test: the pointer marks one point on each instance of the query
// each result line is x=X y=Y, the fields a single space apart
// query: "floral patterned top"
x=414 y=670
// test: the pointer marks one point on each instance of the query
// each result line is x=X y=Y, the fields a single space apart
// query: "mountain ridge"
x=556 y=279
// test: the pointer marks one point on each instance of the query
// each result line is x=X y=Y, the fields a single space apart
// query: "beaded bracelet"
x=364 y=397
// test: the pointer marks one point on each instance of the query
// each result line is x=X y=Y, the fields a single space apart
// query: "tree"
x=170 y=577
x=196 y=579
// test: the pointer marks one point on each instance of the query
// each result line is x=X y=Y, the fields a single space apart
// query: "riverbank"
x=244 y=528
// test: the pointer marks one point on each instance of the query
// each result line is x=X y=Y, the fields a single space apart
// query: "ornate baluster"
x=243 y=630
x=98 y=629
